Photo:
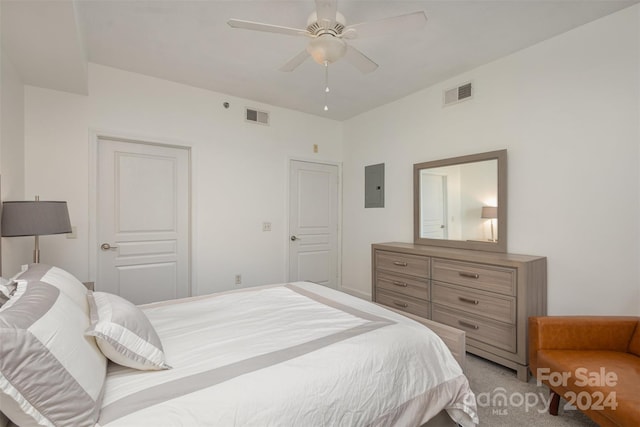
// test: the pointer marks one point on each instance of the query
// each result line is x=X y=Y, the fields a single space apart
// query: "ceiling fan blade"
x=326 y=11
x=395 y=24
x=360 y=60
x=294 y=62
x=267 y=28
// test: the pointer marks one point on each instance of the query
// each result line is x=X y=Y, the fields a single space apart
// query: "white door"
x=313 y=223
x=143 y=221
x=433 y=215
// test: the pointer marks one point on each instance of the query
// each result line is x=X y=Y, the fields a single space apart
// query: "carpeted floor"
x=503 y=400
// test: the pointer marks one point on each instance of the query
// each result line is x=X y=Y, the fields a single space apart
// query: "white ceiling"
x=189 y=42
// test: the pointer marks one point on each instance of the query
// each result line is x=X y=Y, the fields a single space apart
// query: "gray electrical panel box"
x=374 y=186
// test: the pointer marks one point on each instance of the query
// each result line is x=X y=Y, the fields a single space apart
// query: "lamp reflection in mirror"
x=490 y=212
x=35 y=218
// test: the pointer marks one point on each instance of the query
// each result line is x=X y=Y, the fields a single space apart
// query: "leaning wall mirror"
x=461 y=202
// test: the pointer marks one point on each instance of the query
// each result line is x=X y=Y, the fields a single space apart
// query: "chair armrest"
x=609 y=333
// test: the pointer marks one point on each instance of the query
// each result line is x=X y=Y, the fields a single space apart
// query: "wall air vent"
x=457 y=94
x=256 y=116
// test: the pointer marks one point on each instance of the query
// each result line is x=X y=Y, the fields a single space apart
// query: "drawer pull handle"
x=404 y=285
x=469 y=275
x=468 y=324
x=401 y=304
x=469 y=300
x=400 y=263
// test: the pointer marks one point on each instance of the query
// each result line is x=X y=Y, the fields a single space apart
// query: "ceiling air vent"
x=458 y=94
x=256 y=116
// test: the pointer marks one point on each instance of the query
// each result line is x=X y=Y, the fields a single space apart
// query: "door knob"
x=294 y=238
x=106 y=247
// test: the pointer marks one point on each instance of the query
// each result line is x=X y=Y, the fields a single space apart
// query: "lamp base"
x=36 y=251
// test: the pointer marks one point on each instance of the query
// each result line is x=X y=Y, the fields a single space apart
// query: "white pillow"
x=124 y=333
x=50 y=373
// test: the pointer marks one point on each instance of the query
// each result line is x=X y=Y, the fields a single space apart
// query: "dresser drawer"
x=497 y=334
x=413 y=265
x=412 y=287
x=404 y=303
x=478 y=276
x=493 y=306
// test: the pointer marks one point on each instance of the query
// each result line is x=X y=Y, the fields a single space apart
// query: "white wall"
x=240 y=169
x=567 y=110
x=15 y=250
x=56 y=157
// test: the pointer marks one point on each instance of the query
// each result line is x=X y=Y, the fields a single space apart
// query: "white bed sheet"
x=288 y=355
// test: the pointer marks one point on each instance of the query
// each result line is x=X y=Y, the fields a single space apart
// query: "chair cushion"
x=634 y=344
x=611 y=374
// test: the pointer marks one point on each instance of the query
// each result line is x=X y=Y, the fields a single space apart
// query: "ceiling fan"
x=327 y=29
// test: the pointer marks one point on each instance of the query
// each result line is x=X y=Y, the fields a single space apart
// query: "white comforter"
x=288 y=355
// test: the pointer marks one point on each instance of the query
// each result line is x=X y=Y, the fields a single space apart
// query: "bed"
x=281 y=355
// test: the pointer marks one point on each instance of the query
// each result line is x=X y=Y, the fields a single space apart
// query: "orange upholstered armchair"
x=591 y=361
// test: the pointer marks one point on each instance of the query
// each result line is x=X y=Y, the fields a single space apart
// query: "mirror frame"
x=501 y=244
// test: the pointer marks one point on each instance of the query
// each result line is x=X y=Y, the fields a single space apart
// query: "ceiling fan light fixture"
x=326 y=48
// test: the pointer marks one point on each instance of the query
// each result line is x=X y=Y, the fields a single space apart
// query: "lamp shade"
x=34 y=218
x=489 y=212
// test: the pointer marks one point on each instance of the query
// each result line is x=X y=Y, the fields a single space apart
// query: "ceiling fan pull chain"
x=326 y=85
x=326 y=76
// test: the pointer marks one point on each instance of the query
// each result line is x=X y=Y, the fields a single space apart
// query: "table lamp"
x=35 y=218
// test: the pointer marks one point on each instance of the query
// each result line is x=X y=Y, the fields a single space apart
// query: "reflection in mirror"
x=461 y=202
x=453 y=198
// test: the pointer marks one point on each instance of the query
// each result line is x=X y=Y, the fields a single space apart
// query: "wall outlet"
x=266 y=226
x=315 y=148
x=238 y=279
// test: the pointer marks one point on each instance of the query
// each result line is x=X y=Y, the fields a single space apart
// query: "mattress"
x=296 y=354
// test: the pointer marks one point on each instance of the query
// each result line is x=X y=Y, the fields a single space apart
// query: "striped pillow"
x=50 y=373
x=59 y=278
x=7 y=288
x=124 y=333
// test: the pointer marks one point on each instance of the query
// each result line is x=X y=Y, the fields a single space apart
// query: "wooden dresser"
x=488 y=295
